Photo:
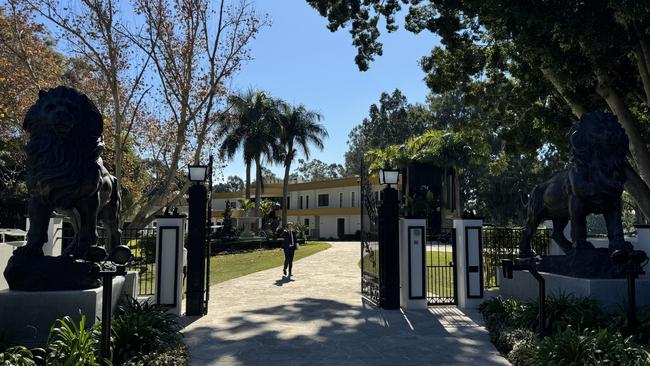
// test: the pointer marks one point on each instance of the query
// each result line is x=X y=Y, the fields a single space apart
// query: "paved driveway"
x=318 y=318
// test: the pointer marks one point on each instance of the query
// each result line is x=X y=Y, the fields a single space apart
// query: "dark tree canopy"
x=566 y=54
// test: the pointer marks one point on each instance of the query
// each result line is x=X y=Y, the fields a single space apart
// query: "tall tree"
x=393 y=121
x=299 y=129
x=591 y=55
x=315 y=170
x=256 y=131
x=232 y=184
x=195 y=48
x=92 y=32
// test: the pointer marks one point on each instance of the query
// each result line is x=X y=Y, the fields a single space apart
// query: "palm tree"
x=299 y=129
x=255 y=129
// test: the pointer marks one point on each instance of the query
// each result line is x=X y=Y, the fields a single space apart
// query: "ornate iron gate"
x=370 y=267
x=441 y=267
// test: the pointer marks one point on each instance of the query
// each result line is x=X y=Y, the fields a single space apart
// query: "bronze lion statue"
x=593 y=183
x=65 y=172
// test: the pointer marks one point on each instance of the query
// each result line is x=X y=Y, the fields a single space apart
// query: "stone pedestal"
x=27 y=316
x=611 y=294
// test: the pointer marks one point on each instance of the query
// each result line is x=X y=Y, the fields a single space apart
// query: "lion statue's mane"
x=55 y=163
x=593 y=183
x=65 y=171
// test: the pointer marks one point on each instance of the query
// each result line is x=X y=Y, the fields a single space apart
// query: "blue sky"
x=299 y=60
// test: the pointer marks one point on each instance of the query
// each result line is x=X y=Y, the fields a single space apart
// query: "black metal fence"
x=370 y=265
x=142 y=242
x=503 y=243
x=440 y=266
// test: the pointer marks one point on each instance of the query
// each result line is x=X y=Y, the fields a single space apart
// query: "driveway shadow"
x=311 y=331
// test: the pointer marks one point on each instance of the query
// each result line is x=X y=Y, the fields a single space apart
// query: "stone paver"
x=318 y=318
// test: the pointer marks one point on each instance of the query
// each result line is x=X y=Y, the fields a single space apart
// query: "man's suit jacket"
x=286 y=244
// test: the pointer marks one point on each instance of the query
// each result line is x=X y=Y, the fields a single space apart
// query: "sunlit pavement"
x=318 y=318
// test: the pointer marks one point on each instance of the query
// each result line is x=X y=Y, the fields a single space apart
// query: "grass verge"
x=224 y=267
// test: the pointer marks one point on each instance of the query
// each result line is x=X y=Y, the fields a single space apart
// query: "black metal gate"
x=441 y=274
x=370 y=267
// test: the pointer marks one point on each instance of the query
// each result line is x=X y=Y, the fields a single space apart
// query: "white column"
x=469 y=262
x=169 y=261
x=54 y=236
x=413 y=287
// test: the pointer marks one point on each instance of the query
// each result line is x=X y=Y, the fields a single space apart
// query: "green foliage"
x=233 y=184
x=302 y=229
x=580 y=334
x=316 y=170
x=19 y=356
x=570 y=347
x=142 y=328
x=70 y=344
x=177 y=356
x=441 y=147
x=228 y=230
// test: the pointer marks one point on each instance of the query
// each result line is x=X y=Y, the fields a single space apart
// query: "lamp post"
x=107 y=269
x=632 y=264
x=197 y=202
x=389 y=239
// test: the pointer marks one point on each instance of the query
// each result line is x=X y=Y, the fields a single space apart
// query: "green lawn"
x=224 y=267
x=441 y=276
x=229 y=266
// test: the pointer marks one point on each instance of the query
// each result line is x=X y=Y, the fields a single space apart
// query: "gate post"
x=196 y=251
x=412 y=242
x=469 y=262
x=169 y=261
x=389 y=250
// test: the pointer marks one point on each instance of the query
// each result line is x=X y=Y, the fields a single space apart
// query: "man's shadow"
x=284 y=280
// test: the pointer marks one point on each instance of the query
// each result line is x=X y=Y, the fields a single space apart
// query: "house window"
x=323 y=200
x=288 y=202
x=307 y=222
x=340 y=199
x=352 y=199
x=301 y=202
x=307 y=202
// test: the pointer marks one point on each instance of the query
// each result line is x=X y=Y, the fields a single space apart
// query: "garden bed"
x=576 y=332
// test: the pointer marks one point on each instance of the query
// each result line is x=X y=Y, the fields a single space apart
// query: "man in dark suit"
x=290 y=244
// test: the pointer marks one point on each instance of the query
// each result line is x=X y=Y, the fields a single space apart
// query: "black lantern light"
x=197 y=173
x=388 y=176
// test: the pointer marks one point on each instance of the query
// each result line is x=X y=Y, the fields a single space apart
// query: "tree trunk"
x=258 y=186
x=248 y=180
x=643 y=72
x=550 y=75
x=638 y=189
x=638 y=147
x=285 y=190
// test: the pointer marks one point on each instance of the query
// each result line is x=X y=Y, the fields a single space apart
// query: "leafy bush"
x=569 y=347
x=176 y=356
x=19 y=356
x=564 y=310
x=142 y=328
x=72 y=344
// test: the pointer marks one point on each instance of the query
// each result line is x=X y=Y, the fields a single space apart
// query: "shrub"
x=142 y=328
x=177 y=356
x=564 y=310
x=569 y=347
x=72 y=344
x=19 y=356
